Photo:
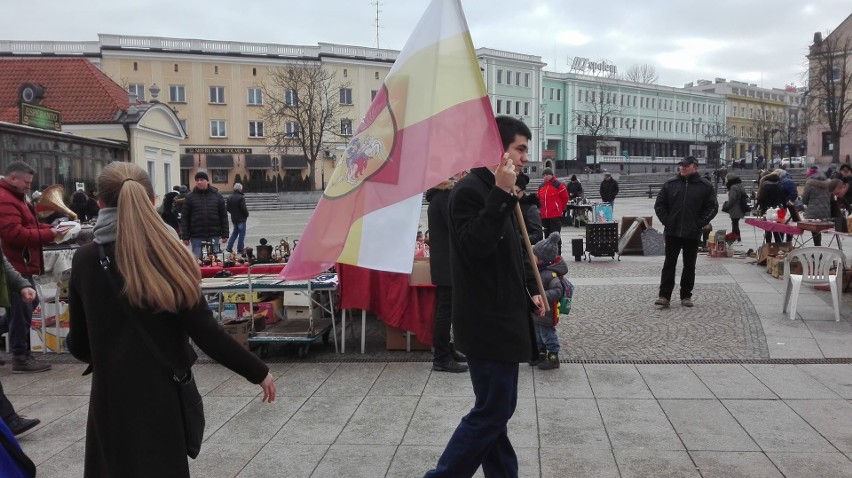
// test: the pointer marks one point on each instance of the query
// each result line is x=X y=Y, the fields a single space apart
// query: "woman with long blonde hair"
x=135 y=424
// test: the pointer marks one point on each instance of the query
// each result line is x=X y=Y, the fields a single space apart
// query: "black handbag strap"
x=105 y=265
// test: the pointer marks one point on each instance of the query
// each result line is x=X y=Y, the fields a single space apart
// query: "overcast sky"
x=759 y=41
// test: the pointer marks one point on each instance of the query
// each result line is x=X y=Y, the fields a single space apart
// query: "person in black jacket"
x=685 y=204
x=609 y=189
x=529 y=208
x=204 y=216
x=445 y=359
x=167 y=210
x=239 y=215
x=492 y=286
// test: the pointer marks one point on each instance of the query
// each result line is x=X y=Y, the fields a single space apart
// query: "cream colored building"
x=215 y=89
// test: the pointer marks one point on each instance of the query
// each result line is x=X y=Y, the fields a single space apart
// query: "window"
x=152 y=166
x=217 y=129
x=346 y=127
x=579 y=120
x=742 y=131
x=254 y=72
x=499 y=106
x=167 y=173
x=517 y=107
x=373 y=94
x=826 y=144
x=217 y=95
x=135 y=66
x=499 y=76
x=255 y=96
x=137 y=89
x=346 y=96
x=176 y=68
x=558 y=119
x=376 y=76
x=291 y=129
x=177 y=94
x=216 y=70
x=526 y=80
x=558 y=95
x=518 y=78
x=219 y=176
x=345 y=73
x=587 y=95
x=579 y=95
x=291 y=98
x=526 y=108
x=508 y=77
x=550 y=118
x=255 y=129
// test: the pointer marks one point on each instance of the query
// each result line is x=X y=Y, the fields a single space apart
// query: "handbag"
x=726 y=206
x=192 y=406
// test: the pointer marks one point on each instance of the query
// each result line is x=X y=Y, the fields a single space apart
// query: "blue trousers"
x=482 y=436
x=238 y=232
x=17 y=321
x=546 y=338
x=197 y=249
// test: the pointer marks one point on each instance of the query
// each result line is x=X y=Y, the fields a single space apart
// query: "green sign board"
x=40 y=117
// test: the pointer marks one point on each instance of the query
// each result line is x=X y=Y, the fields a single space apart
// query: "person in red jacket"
x=553 y=196
x=22 y=237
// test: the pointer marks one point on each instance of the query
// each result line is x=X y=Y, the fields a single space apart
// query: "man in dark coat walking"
x=204 y=217
x=685 y=204
x=239 y=215
x=609 y=189
x=492 y=286
x=444 y=359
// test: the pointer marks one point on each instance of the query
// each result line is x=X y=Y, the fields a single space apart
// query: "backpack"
x=562 y=306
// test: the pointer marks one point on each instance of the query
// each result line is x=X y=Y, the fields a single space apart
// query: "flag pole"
x=523 y=227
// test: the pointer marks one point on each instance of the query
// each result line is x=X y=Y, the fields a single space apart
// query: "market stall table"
x=301 y=331
x=211 y=271
x=791 y=229
x=390 y=296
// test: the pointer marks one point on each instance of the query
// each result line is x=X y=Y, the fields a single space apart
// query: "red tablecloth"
x=390 y=297
x=772 y=226
x=208 y=271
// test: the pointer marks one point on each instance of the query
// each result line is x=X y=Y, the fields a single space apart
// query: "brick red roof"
x=74 y=86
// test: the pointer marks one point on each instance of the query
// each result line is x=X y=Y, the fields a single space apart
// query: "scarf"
x=105 y=227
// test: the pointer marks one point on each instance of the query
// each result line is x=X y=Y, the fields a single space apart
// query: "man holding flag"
x=492 y=287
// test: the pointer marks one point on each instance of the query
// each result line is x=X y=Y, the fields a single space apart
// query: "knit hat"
x=547 y=249
x=522 y=181
x=202 y=175
x=547 y=171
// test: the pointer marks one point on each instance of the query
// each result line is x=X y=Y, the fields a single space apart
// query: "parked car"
x=794 y=162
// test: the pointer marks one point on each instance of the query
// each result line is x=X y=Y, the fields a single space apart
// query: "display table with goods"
x=395 y=298
x=211 y=271
x=50 y=322
x=298 y=312
x=795 y=229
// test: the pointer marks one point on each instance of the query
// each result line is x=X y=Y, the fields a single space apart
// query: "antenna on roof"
x=377 y=4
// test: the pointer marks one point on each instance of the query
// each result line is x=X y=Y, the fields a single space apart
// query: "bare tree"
x=597 y=117
x=643 y=73
x=766 y=123
x=303 y=104
x=829 y=81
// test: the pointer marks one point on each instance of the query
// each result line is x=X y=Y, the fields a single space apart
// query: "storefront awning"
x=187 y=161
x=220 y=161
x=294 y=161
x=258 y=161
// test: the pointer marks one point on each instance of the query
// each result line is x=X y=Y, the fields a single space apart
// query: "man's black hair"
x=19 y=167
x=510 y=127
x=846 y=167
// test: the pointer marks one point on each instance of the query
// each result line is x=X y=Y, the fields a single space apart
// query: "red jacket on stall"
x=553 y=196
x=21 y=234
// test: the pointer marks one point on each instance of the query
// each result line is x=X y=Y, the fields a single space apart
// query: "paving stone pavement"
x=728 y=388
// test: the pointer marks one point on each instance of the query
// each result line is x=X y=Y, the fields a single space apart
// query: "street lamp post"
x=696 y=124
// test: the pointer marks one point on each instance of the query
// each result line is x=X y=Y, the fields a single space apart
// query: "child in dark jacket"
x=552 y=268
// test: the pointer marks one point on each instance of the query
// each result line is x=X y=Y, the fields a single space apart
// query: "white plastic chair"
x=817 y=264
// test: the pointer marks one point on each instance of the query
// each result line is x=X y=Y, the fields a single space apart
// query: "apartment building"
x=764 y=122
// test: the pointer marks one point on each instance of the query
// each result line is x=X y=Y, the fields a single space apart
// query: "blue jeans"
x=546 y=338
x=17 y=321
x=481 y=438
x=196 y=245
x=239 y=231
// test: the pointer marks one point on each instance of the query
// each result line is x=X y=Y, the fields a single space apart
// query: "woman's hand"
x=268 y=386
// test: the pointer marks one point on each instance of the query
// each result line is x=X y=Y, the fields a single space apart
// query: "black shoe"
x=541 y=357
x=550 y=363
x=450 y=366
x=29 y=365
x=21 y=424
x=456 y=355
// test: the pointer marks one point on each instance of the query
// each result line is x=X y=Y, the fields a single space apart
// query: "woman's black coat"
x=134 y=426
x=491 y=274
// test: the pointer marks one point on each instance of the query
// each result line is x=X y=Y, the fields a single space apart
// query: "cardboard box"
x=775 y=266
x=301 y=312
x=271 y=310
x=243 y=297
x=50 y=338
x=395 y=340
x=296 y=298
x=420 y=274
x=772 y=250
x=239 y=329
